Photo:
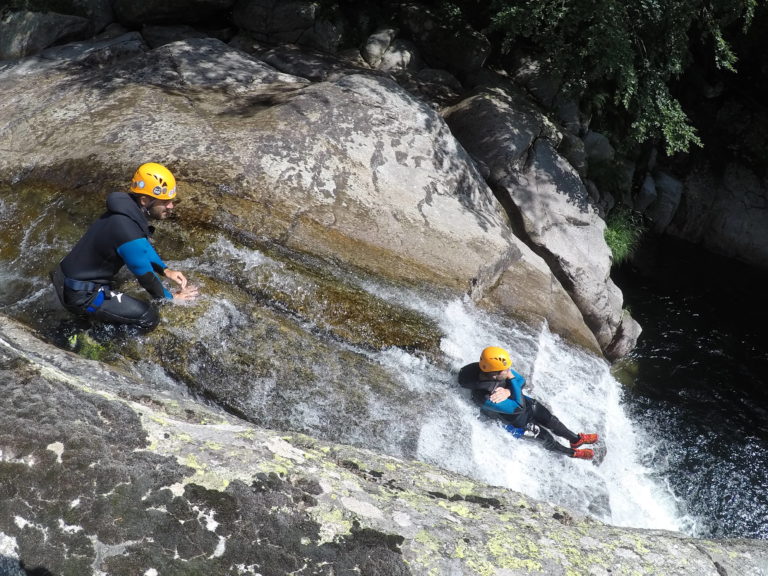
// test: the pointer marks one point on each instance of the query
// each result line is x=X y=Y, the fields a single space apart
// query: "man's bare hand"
x=187 y=293
x=176 y=276
x=500 y=394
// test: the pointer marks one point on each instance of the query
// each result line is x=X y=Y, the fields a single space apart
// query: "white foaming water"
x=577 y=387
x=224 y=247
x=579 y=390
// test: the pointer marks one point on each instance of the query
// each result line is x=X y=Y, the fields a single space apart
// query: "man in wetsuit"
x=499 y=391
x=121 y=236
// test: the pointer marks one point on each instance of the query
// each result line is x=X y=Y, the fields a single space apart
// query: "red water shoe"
x=585 y=439
x=584 y=454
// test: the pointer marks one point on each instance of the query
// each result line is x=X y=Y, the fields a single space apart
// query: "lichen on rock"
x=95 y=479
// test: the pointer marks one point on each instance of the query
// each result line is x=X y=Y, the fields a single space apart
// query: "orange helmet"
x=154 y=180
x=495 y=359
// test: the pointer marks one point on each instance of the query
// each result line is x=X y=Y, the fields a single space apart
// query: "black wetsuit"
x=119 y=237
x=519 y=410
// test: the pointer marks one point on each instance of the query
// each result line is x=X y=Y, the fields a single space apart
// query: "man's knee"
x=143 y=315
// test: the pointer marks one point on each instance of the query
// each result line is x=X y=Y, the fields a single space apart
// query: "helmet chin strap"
x=146 y=208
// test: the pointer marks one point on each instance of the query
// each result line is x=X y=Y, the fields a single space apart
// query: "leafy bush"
x=632 y=50
x=623 y=231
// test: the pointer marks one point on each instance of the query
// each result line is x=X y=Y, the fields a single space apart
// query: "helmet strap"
x=144 y=207
x=152 y=202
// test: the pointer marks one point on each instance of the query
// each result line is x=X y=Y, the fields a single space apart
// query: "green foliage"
x=623 y=231
x=631 y=50
x=658 y=114
x=450 y=12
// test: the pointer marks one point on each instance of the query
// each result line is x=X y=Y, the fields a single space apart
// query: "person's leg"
x=76 y=301
x=104 y=305
x=543 y=417
x=123 y=309
x=543 y=414
x=549 y=442
x=535 y=421
x=509 y=411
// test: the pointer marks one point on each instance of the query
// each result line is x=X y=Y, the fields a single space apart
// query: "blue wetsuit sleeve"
x=516 y=384
x=141 y=258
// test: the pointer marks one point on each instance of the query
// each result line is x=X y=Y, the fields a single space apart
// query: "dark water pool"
x=698 y=380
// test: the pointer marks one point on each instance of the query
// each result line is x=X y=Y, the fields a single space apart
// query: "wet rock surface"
x=548 y=204
x=276 y=338
x=103 y=474
x=352 y=170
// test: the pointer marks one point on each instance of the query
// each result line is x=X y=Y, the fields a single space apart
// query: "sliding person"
x=499 y=391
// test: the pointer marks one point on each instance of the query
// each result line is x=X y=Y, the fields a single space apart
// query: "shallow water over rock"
x=299 y=344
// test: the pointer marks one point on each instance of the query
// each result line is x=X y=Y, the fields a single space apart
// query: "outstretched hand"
x=176 y=276
x=188 y=292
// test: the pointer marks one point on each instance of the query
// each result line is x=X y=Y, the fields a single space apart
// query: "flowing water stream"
x=420 y=412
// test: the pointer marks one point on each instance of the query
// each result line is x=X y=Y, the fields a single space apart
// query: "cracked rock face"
x=104 y=474
x=548 y=204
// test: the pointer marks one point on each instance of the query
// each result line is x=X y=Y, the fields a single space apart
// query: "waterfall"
x=577 y=387
x=431 y=418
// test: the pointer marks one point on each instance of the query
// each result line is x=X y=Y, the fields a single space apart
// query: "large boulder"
x=598 y=147
x=107 y=48
x=354 y=170
x=377 y=45
x=724 y=211
x=309 y=64
x=401 y=55
x=647 y=194
x=102 y=473
x=97 y=12
x=455 y=47
x=547 y=202
x=24 y=33
x=669 y=192
x=293 y=22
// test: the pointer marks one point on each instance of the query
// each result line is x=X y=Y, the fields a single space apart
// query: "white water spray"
x=576 y=386
x=579 y=389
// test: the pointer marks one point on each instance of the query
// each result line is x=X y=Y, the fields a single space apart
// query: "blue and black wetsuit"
x=119 y=237
x=519 y=410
